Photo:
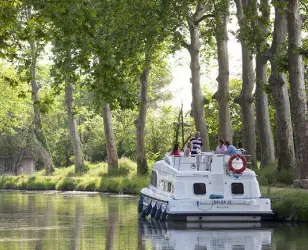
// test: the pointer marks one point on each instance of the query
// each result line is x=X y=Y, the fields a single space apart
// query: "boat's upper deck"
x=206 y=161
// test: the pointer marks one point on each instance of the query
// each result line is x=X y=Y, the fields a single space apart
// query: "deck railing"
x=200 y=162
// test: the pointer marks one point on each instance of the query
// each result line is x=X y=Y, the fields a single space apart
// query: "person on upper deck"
x=187 y=149
x=196 y=144
x=221 y=148
x=175 y=150
x=231 y=150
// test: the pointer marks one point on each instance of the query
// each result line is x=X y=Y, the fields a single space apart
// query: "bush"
x=67 y=184
x=289 y=203
x=269 y=175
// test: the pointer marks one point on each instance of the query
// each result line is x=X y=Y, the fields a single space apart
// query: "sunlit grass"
x=124 y=180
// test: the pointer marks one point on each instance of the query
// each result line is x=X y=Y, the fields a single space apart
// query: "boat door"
x=217 y=177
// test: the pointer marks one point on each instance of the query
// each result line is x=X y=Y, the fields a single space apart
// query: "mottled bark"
x=222 y=94
x=17 y=163
x=277 y=80
x=74 y=136
x=110 y=143
x=142 y=165
x=246 y=99
x=197 y=96
x=37 y=122
x=262 y=114
x=297 y=90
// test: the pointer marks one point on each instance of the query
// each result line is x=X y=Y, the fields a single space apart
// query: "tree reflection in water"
x=79 y=220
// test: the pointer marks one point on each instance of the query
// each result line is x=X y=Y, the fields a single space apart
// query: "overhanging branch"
x=203 y=17
x=186 y=45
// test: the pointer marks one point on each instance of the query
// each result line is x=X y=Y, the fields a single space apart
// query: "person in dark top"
x=175 y=150
x=196 y=143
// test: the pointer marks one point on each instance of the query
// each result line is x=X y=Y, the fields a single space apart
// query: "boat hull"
x=208 y=215
x=222 y=217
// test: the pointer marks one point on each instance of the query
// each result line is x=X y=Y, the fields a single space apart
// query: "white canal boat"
x=206 y=187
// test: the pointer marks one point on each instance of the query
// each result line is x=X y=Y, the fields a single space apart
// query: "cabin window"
x=166 y=186
x=170 y=188
x=237 y=188
x=199 y=188
x=154 y=179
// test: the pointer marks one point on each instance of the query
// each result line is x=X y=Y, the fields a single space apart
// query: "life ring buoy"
x=239 y=170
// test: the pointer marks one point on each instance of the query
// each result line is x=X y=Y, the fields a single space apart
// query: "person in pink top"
x=221 y=148
x=175 y=150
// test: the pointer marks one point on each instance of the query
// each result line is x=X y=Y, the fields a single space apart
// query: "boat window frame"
x=166 y=186
x=199 y=193
x=154 y=178
x=235 y=185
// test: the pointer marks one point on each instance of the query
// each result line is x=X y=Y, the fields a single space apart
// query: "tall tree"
x=194 y=47
x=277 y=81
x=262 y=113
x=35 y=47
x=142 y=166
x=69 y=57
x=147 y=30
x=297 y=89
x=22 y=41
x=72 y=126
x=246 y=99
x=110 y=143
x=222 y=94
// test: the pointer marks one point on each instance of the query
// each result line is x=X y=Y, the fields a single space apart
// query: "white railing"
x=199 y=162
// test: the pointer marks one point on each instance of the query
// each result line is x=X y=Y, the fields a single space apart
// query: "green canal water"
x=74 y=220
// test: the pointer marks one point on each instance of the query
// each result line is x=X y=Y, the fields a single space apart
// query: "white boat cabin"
x=203 y=176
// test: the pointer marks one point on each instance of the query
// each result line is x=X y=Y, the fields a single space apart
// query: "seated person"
x=175 y=150
x=231 y=150
x=187 y=149
x=221 y=148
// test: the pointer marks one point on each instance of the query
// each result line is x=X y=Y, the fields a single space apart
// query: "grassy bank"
x=96 y=179
x=290 y=204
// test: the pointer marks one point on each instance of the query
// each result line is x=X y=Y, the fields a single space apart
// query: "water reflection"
x=239 y=236
x=72 y=220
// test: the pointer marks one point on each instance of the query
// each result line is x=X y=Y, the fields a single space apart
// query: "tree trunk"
x=262 y=114
x=17 y=163
x=297 y=89
x=74 y=136
x=110 y=144
x=277 y=80
x=222 y=94
x=142 y=166
x=246 y=98
x=197 y=96
x=38 y=131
